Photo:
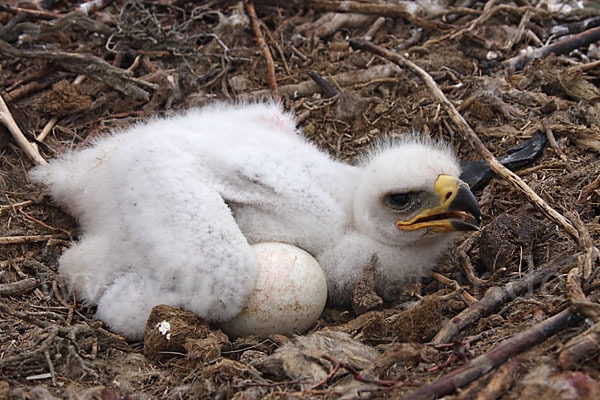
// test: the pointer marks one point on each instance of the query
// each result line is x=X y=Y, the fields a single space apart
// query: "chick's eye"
x=398 y=201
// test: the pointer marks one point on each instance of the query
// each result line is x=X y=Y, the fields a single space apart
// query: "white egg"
x=289 y=296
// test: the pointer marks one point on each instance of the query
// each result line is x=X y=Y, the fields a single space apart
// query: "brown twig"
x=33 y=87
x=19 y=287
x=574 y=27
x=558 y=48
x=556 y=148
x=26 y=239
x=329 y=90
x=30 y=149
x=92 y=6
x=496 y=296
x=87 y=65
x=460 y=122
x=497 y=355
x=343 y=79
x=384 y=10
x=278 y=47
x=576 y=296
x=582 y=347
x=587 y=189
x=260 y=40
x=502 y=380
x=451 y=282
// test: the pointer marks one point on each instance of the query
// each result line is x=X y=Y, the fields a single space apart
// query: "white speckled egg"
x=289 y=296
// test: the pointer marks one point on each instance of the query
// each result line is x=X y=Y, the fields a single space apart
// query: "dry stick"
x=343 y=79
x=501 y=380
x=496 y=296
x=558 y=48
x=574 y=27
x=576 y=296
x=481 y=365
x=460 y=122
x=278 y=47
x=48 y=127
x=19 y=287
x=587 y=189
x=260 y=40
x=520 y=30
x=26 y=239
x=379 y=22
x=582 y=347
x=7 y=119
x=586 y=242
x=384 y=10
x=92 y=6
x=451 y=282
x=88 y=65
x=555 y=147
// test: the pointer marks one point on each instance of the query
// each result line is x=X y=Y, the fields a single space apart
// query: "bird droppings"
x=164 y=328
x=170 y=330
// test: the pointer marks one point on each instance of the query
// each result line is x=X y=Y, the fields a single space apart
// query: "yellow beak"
x=458 y=209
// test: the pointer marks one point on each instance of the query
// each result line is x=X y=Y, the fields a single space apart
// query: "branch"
x=19 y=287
x=497 y=355
x=87 y=65
x=558 y=48
x=496 y=296
x=30 y=149
x=264 y=48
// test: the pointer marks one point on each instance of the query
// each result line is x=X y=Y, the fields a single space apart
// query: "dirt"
x=184 y=54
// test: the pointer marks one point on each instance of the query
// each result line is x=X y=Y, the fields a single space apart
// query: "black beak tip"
x=466 y=202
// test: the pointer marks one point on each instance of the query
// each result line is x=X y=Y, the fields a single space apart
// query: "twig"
x=481 y=365
x=451 y=282
x=33 y=87
x=574 y=27
x=329 y=90
x=92 y=6
x=7 y=119
x=558 y=48
x=19 y=287
x=501 y=380
x=467 y=266
x=379 y=22
x=460 y=122
x=50 y=366
x=39 y=350
x=278 y=47
x=582 y=347
x=260 y=40
x=16 y=205
x=554 y=145
x=384 y=10
x=306 y=88
x=587 y=189
x=88 y=65
x=28 y=11
x=587 y=243
x=496 y=296
x=520 y=30
x=576 y=296
x=26 y=239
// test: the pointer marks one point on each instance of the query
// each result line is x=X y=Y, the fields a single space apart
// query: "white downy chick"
x=168 y=210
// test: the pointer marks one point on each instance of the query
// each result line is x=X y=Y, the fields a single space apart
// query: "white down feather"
x=168 y=211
